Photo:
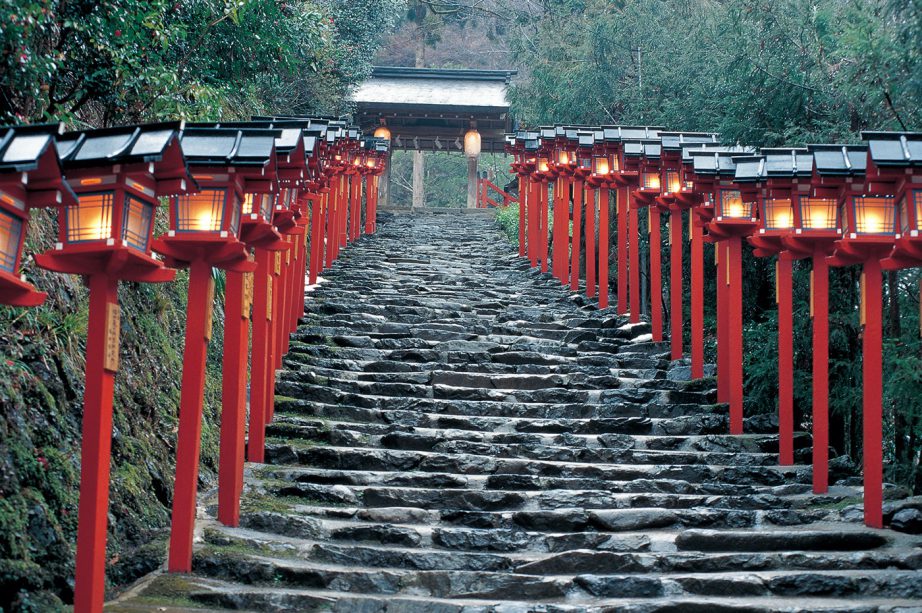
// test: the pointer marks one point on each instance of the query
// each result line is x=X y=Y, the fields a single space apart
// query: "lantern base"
x=627 y=178
x=907 y=253
x=729 y=228
x=641 y=199
x=284 y=220
x=768 y=245
x=16 y=292
x=224 y=253
x=122 y=263
x=263 y=236
x=850 y=251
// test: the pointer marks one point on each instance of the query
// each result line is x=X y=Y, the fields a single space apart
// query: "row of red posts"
x=836 y=205
x=242 y=197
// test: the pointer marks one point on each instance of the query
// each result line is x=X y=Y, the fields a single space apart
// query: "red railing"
x=483 y=195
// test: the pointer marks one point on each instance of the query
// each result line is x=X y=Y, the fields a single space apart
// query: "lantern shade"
x=873 y=215
x=818 y=214
x=651 y=181
x=673 y=183
x=11 y=237
x=910 y=209
x=601 y=166
x=731 y=205
x=90 y=219
x=201 y=212
x=472 y=144
x=137 y=221
x=543 y=164
x=778 y=214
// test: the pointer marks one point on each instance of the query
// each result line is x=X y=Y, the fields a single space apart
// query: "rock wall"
x=41 y=408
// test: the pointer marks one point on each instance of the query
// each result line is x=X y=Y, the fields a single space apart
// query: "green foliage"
x=762 y=73
x=508 y=219
x=445 y=179
x=102 y=63
x=131 y=60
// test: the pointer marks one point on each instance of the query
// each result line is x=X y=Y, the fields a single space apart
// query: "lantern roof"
x=622 y=133
x=771 y=163
x=842 y=160
x=23 y=147
x=717 y=161
x=586 y=138
x=219 y=146
x=649 y=148
x=687 y=150
x=676 y=141
x=894 y=148
x=120 y=145
x=29 y=157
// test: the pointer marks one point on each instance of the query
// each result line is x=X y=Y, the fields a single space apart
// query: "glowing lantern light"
x=472 y=143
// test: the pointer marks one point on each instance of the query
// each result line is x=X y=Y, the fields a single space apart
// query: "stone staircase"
x=455 y=432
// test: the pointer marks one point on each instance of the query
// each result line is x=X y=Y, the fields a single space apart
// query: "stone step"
x=455 y=432
x=361 y=458
x=569 y=575
x=296 y=425
x=560 y=447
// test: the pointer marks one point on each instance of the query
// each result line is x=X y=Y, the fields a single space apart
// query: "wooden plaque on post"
x=113 y=329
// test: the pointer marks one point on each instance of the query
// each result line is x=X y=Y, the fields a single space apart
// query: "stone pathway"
x=455 y=432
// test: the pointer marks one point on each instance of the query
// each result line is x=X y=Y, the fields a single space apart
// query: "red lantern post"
x=30 y=177
x=604 y=166
x=644 y=197
x=563 y=163
x=118 y=174
x=204 y=230
x=734 y=217
x=628 y=142
x=582 y=152
x=677 y=195
x=837 y=173
x=869 y=230
x=779 y=177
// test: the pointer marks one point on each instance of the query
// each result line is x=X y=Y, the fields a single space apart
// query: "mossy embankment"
x=41 y=409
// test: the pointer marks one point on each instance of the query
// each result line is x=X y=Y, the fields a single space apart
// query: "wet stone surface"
x=457 y=433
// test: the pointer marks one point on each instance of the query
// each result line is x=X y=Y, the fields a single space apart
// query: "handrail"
x=483 y=195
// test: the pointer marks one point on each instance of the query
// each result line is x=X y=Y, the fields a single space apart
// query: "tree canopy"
x=100 y=63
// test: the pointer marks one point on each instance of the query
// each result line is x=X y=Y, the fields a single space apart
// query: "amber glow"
x=472 y=143
x=818 y=213
x=563 y=158
x=917 y=200
x=673 y=185
x=92 y=181
x=543 y=165
x=731 y=204
x=136 y=224
x=10 y=231
x=383 y=132
x=91 y=218
x=874 y=215
x=779 y=214
x=201 y=212
x=601 y=166
x=651 y=180
x=248 y=203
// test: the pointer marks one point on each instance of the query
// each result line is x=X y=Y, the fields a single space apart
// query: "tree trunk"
x=893 y=300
